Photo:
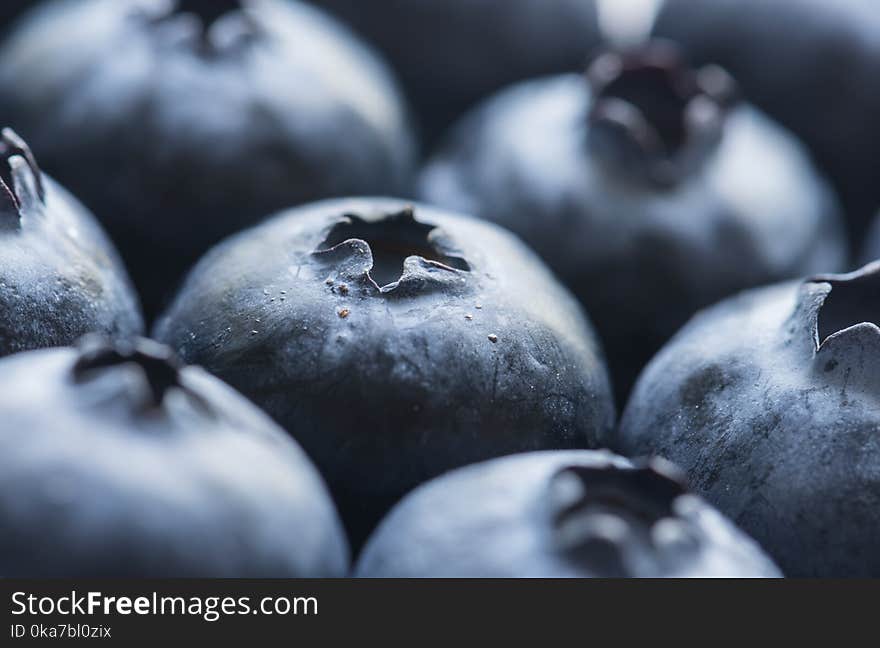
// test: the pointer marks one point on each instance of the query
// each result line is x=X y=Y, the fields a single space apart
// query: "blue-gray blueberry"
x=118 y=462
x=647 y=187
x=179 y=123
x=60 y=276
x=769 y=402
x=394 y=342
x=564 y=514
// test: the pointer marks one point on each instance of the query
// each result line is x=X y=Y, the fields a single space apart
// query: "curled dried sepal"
x=21 y=182
x=653 y=117
x=852 y=300
x=837 y=321
x=390 y=242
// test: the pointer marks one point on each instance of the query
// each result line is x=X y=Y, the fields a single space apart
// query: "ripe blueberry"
x=394 y=342
x=181 y=124
x=118 y=462
x=641 y=187
x=60 y=277
x=769 y=402
x=559 y=514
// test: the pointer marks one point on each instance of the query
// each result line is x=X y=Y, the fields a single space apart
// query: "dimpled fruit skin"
x=174 y=149
x=488 y=520
x=449 y=54
x=61 y=278
x=91 y=487
x=641 y=260
x=385 y=390
x=795 y=75
x=781 y=438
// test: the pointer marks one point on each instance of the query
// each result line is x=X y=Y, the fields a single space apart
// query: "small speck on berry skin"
x=493 y=338
x=344 y=313
x=469 y=317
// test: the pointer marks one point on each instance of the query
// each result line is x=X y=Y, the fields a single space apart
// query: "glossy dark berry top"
x=60 y=277
x=117 y=461
x=179 y=125
x=559 y=514
x=394 y=342
x=769 y=402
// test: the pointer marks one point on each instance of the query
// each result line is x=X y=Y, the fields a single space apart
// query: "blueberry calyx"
x=601 y=515
x=654 y=118
x=21 y=182
x=393 y=251
x=159 y=366
x=834 y=329
x=851 y=300
x=208 y=29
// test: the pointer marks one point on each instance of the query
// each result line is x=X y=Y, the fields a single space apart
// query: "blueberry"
x=180 y=128
x=60 y=277
x=647 y=187
x=118 y=462
x=811 y=64
x=394 y=342
x=769 y=402
x=449 y=54
x=556 y=515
